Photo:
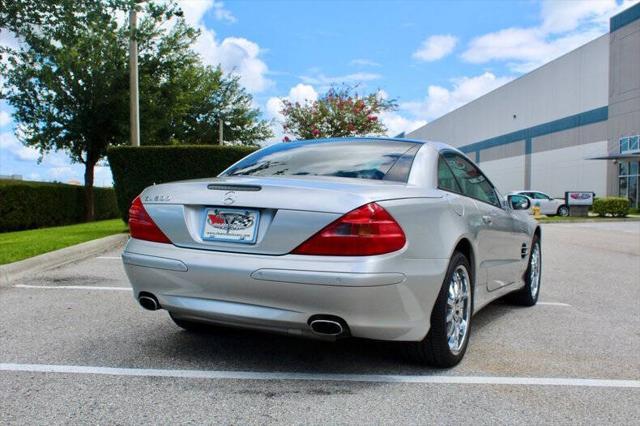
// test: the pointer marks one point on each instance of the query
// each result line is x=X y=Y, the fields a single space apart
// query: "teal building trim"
x=570 y=122
x=625 y=18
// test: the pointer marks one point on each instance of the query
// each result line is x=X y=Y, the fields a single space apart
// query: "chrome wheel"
x=458 y=309
x=534 y=270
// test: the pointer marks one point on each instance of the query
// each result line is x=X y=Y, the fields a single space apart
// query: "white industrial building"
x=570 y=125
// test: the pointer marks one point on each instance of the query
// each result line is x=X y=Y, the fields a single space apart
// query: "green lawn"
x=20 y=245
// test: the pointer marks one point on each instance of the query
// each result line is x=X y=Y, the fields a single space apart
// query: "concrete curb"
x=12 y=272
x=590 y=220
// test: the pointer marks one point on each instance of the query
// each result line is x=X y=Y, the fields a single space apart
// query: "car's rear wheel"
x=563 y=211
x=528 y=295
x=448 y=337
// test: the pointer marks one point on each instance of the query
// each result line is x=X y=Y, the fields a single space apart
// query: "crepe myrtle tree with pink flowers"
x=341 y=112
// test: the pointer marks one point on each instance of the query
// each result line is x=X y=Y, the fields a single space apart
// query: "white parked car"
x=548 y=206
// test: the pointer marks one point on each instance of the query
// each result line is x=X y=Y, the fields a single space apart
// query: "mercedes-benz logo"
x=229 y=198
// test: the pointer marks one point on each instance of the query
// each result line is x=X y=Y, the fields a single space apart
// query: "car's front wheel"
x=445 y=344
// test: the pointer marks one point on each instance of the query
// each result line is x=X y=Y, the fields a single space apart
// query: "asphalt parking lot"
x=76 y=348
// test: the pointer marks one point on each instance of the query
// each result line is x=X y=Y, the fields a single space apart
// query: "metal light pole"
x=134 y=112
x=220 y=136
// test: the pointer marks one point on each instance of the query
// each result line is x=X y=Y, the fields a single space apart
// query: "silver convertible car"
x=388 y=239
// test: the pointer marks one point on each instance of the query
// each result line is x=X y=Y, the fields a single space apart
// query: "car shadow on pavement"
x=246 y=350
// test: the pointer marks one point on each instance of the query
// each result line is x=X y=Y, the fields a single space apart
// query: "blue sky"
x=431 y=56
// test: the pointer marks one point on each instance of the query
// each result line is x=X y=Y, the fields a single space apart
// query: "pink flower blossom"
x=286 y=139
x=315 y=132
x=372 y=118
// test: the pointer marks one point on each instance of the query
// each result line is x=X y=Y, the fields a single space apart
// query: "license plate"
x=232 y=225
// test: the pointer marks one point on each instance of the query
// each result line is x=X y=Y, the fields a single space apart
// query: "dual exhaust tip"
x=148 y=301
x=328 y=325
x=323 y=325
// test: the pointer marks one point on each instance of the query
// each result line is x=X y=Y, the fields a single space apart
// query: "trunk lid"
x=290 y=209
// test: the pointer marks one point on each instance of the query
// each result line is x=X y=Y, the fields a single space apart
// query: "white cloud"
x=273 y=107
x=435 y=47
x=223 y=14
x=363 y=62
x=5 y=118
x=301 y=93
x=9 y=143
x=325 y=81
x=561 y=16
x=441 y=100
x=194 y=10
x=564 y=26
x=102 y=176
x=65 y=172
x=234 y=54
x=397 y=124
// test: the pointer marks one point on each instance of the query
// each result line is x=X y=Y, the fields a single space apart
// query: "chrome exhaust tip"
x=149 y=302
x=326 y=327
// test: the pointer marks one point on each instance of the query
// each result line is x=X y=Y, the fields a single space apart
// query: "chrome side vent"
x=223 y=187
x=524 y=251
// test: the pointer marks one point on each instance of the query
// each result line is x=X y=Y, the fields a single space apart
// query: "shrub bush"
x=135 y=168
x=614 y=206
x=28 y=205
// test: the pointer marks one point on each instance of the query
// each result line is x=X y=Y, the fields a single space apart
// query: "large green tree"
x=189 y=105
x=68 y=80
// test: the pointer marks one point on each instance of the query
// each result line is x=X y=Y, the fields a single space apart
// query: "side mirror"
x=519 y=202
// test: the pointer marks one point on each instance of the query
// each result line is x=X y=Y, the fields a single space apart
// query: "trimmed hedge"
x=29 y=205
x=135 y=168
x=614 y=206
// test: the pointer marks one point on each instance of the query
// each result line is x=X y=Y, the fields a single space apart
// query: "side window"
x=473 y=183
x=446 y=180
x=541 y=196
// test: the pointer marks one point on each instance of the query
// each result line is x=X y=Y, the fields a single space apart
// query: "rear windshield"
x=362 y=159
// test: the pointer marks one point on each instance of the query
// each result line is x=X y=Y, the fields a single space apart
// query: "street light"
x=134 y=104
x=223 y=112
x=134 y=112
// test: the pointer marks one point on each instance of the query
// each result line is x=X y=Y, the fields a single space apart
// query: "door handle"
x=487 y=220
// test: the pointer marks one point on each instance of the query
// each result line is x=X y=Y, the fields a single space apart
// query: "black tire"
x=193 y=326
x=563 y=211
x=525 y=296
x=434 y=349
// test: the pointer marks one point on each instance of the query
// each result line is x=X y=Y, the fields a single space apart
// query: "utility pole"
x=134 y=112
x=220 y=136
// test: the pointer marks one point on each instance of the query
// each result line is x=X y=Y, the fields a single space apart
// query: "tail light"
x=365 y=231
x=141 y=226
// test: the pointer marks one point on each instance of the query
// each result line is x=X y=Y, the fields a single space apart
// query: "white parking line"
x=73 y=287
x=554 y=304
x=379 y=378
x=86 y=287
x=109 y=257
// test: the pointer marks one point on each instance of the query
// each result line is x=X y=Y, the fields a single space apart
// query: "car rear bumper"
x=383 y=297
